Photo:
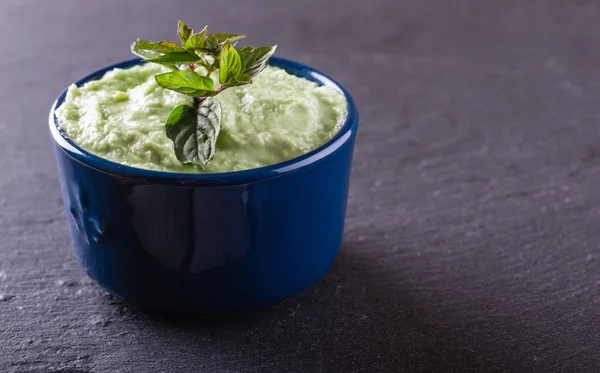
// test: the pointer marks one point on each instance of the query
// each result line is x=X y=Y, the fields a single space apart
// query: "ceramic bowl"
x=207 y=242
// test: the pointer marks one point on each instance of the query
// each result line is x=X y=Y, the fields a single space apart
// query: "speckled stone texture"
x=473 y=231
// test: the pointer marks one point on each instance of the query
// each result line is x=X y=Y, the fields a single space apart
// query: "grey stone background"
x=472 y=241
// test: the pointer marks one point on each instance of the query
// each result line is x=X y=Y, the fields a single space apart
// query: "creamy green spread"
x=121 y=117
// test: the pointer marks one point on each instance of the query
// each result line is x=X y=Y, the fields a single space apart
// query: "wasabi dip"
x=121 y=117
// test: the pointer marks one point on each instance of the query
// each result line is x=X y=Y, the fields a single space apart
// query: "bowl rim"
x=345 y=133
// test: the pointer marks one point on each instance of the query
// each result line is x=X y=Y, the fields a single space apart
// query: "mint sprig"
x=194 y=129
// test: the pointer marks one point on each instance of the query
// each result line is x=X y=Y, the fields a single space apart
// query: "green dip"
x=122 y=116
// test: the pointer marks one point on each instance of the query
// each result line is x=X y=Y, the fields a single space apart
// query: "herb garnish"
x=194 y=129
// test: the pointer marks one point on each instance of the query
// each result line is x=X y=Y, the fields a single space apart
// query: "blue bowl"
x=208 y=242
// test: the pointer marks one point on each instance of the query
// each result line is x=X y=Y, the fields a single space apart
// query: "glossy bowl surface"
x=207 y=242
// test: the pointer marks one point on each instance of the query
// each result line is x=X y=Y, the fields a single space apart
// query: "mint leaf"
x=194 y=131
x=144 y=53
x=149 y=49
x=183 y=57
x=183 y=31
x=254 y=60
x=174 y=47
x=186 y=82
x=229 y=63
x=197 y=40
x=214 y=42
x=221 y=37
x=212 y=45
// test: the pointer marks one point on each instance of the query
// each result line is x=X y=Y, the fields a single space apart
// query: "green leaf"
x=211 y=45
x=183 y=31
x=229 y=63
x=221 y=37
x=194 y=131
x=197 y=40
x=241 y=79
x=186 y=82
x=149 y=49
x=254 y=60
x=143 y=53
x=174 y=47
x=183 y=57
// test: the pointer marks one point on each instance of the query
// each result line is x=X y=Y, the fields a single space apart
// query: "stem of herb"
x=198 y=100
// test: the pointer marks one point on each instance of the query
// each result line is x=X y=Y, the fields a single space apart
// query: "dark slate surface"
x=473 y=230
